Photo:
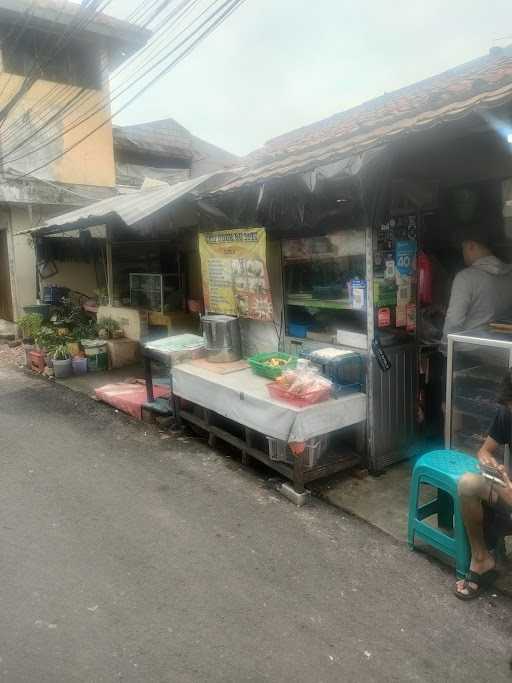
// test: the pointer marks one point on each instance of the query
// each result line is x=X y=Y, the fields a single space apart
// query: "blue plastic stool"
x=441 y=470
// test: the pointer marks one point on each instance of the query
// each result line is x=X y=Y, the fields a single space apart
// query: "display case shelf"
x=477 y=363
x=329 y=304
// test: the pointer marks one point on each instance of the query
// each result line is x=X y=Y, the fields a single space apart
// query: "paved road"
x=130 y=557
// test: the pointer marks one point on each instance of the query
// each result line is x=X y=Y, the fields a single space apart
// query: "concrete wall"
x=90 y=163
x=23 y=261
x=78 y=276
x=133 y=323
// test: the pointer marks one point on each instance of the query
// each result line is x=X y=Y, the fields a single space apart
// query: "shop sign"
x=234 y=273
x=405 y=259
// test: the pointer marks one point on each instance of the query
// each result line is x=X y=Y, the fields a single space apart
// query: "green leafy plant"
x=86 y=330
x=61 y=352
x=47 y=338
x=71 y=314
x=30 y=324
x=109 y=326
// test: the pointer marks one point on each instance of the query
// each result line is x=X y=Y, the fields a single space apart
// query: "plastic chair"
x=441 y=470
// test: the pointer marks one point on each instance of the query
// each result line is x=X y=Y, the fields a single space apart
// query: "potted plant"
x=46 y=340
x=30 y=324
x=86 y=330
x=61 y=362
x=108 y=328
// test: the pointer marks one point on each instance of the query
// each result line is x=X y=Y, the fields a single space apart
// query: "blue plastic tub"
x=296 y=330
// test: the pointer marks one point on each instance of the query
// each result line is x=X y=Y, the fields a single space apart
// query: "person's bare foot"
x=479 y=566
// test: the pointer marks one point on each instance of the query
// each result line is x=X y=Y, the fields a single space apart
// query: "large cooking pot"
x=222 y=336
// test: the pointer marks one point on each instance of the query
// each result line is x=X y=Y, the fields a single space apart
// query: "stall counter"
x=243 y=397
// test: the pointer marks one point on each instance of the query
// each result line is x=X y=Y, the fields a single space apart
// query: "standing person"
x=482 y=292
x=487 y=507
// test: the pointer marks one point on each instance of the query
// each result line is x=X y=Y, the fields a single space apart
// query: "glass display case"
x=477 y=363
x=325 y=284
x=156 y=291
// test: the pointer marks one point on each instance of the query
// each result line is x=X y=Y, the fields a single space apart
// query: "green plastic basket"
x=258 y=366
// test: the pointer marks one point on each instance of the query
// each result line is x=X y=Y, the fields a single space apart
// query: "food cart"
x=237 y=408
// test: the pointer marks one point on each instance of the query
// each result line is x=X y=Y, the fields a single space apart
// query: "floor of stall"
x=383 y=502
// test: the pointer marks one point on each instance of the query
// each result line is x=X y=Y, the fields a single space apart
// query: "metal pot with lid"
x=222 y=336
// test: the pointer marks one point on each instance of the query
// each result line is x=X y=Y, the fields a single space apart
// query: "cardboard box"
x=123 y=352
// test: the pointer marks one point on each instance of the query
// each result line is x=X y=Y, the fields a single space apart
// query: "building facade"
x=55 y=61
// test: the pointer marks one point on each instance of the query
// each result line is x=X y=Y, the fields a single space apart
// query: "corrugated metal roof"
x=129 y=208
x=482 y=83
x=165 y=138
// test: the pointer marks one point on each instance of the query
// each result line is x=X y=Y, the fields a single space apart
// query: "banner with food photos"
x=234 y=273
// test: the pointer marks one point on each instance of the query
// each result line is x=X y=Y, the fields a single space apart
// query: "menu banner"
x=234 y=273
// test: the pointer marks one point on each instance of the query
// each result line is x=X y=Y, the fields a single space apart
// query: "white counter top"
x=243 y=397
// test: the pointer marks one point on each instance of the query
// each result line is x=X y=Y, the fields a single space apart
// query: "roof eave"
x=120 y=34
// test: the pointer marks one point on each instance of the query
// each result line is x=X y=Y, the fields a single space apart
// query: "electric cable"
x=19 y=124
x=85 y=116
x=37 y=69
x=233 y=5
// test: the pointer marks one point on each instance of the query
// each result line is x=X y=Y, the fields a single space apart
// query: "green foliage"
x=86 y=330
x=47 y=338
x=61 y=352
x=109 y=325
x=72 y=315
x=30 y=324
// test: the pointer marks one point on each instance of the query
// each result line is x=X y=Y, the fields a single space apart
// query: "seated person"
x=486 y=506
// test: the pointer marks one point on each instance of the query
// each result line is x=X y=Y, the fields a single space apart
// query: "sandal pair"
x=481 y=581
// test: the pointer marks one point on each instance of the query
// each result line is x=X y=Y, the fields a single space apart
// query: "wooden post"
x=110 y=274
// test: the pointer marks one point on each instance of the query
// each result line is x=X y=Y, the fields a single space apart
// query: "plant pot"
x=62 y=368
x=74 y=349
x=97 y=355
x=79 y=365
x=28 y=348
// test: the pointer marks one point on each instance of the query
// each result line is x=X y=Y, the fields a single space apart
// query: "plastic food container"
x=315 y=448
x=258 y=366
x=300 y=400
x=97 y=355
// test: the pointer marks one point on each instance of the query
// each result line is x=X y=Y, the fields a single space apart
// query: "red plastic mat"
x=129 y=397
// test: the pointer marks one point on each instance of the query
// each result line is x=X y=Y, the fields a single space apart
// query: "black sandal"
x=480 y=580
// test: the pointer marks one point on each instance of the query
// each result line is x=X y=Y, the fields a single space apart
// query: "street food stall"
x=303 y=417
